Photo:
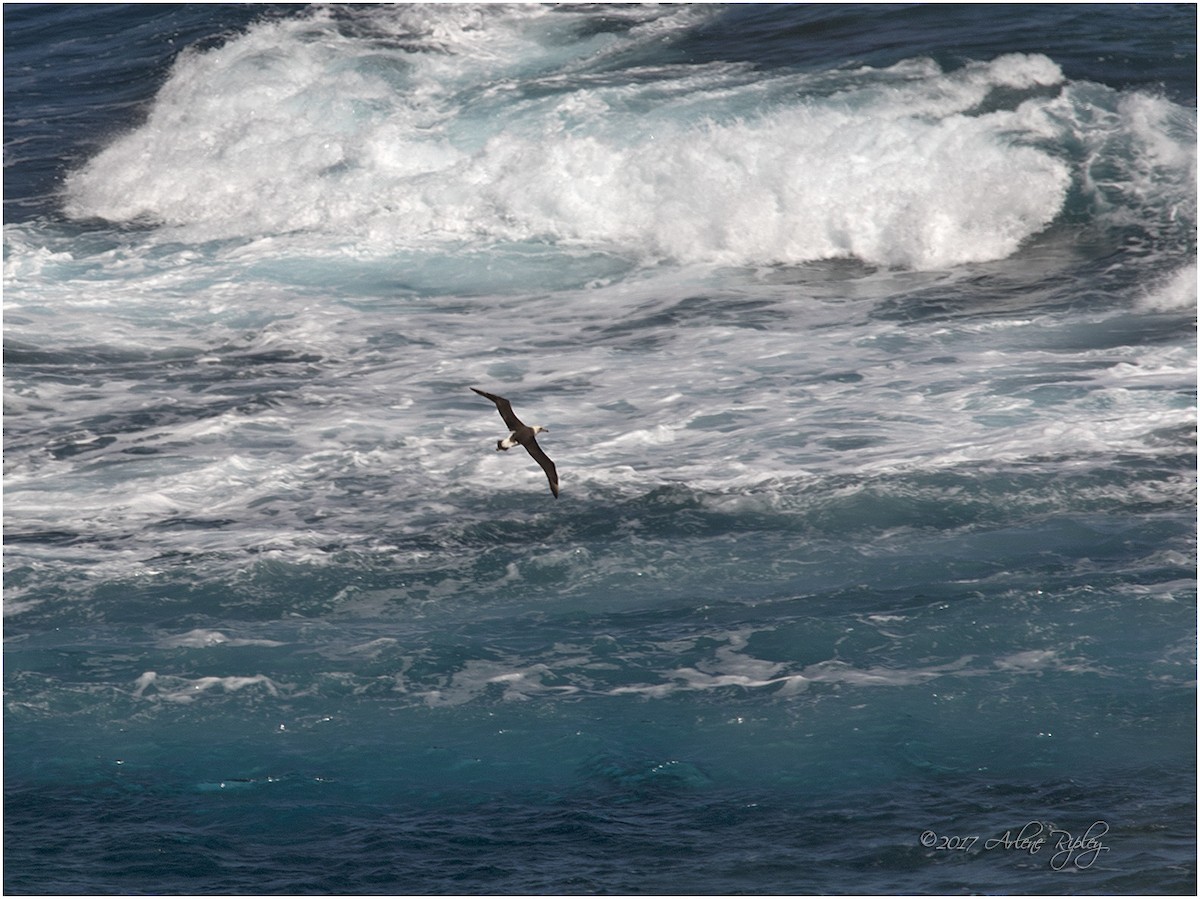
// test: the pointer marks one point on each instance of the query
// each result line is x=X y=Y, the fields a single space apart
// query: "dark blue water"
x=865 y=337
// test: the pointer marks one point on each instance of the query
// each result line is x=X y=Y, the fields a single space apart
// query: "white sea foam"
x=1178 y=291
x=731 y=667
x=151 y=685
x=295 y=127
x=748 y=387
x=202 y=638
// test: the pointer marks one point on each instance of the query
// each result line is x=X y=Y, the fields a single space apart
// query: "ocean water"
x=865 y=338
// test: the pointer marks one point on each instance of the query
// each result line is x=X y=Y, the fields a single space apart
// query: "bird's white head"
x=537 y=429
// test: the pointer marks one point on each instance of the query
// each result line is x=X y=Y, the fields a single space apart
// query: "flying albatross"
x=524 y=435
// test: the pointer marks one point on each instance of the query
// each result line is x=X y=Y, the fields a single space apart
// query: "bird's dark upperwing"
x=543 y=460
x=505 y=407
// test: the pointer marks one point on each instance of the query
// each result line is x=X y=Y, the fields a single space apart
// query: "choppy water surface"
x=865 y=337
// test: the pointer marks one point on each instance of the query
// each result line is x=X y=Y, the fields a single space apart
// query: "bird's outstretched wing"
x=543 y=460
x=505 y=408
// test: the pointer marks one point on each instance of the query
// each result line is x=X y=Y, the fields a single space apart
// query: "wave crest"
x=512 y=128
